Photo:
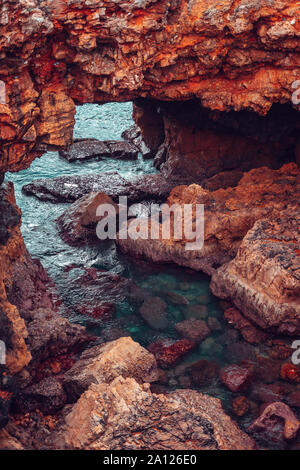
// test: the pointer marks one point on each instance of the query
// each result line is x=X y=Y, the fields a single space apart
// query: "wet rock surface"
x=153 y=311
x=202 y=146
x=167 y=351
x=93 y=292
x=134 y=135
x=256 y=205
x=72 y=188
x=195 y=330
x=83 y=150
x=48 y=396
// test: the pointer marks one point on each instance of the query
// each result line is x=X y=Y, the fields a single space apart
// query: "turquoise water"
x=39 y=231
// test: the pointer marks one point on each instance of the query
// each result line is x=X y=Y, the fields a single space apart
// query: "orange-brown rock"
x=256 y=225
x=13 y=331
x=79 y=221
x=30 y=325
x=199 y=143
x=231 y=55
x=126 y=415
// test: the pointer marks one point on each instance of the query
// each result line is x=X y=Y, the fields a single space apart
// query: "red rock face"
x=235 y=378
x=56 y=53
x=188 y=420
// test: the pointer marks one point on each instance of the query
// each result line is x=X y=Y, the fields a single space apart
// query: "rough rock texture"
x=130 y=417
x=263 y=280
x=83 y=150
x=253 y=231
x=168 y=351
x=48 y=396
x=106 y=362
x=233 y=55
x=199 y=144
x=235 y=378
x=195 y=330
x=71 y=188
x=250 y=333
x=229 y=214
x=154 y=312
x=29 y=322
x=12 y=326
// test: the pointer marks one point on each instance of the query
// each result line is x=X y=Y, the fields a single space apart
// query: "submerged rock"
x=106 y=362
x=127 y=416
x=88 y=149
x=168 y=351
x=250 y=232
x=48 y=396
x=250 y=333
x=277 y=421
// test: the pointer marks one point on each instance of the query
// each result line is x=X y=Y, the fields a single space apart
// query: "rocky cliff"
x=232 y=67
x=233 y=55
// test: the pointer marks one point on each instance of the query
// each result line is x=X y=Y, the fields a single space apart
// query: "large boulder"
x=263 y=280
x=125 y=415
x=71 y=188
x=229 y=214
x=106 y=362
x=48 y=396
x=91 y=149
